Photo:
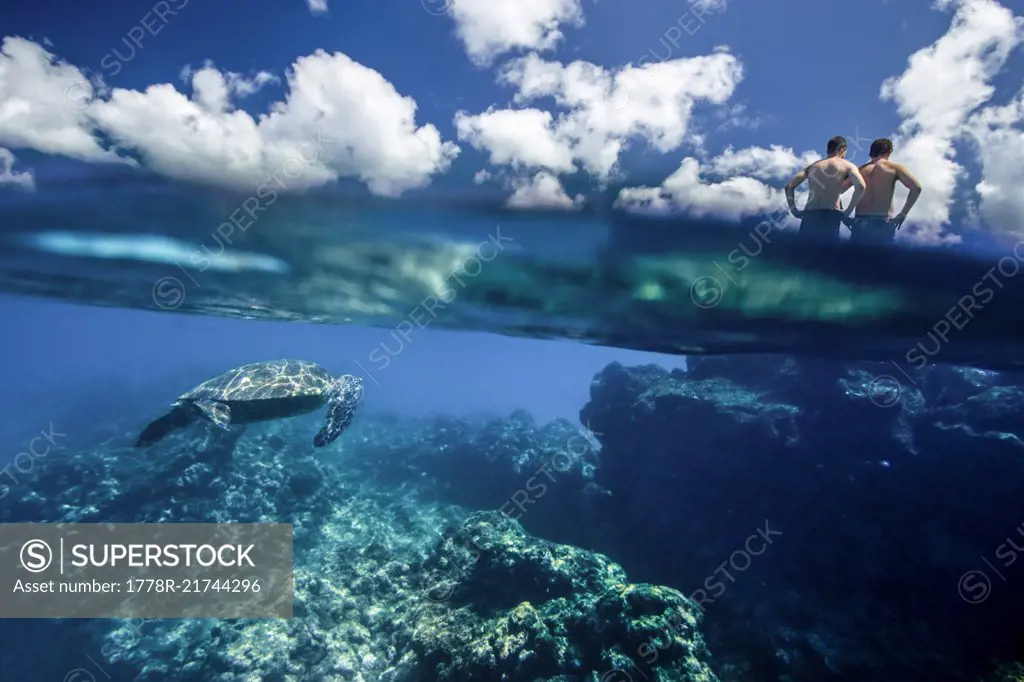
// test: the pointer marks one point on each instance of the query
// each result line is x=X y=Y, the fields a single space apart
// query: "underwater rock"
x=771 y=372
x=519 y=608
x=877 y=487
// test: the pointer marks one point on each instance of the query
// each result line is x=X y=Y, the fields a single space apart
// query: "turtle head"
x=346 y=394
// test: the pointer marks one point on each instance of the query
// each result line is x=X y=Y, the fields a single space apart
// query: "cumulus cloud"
x=964 y=61
x=689 y=190
x=543 y=190
x=603 y=111
x=317 y=6
x=606 y=109
x=8 y=176
x=736 y=184
x=338 y=119
x=998 y=133
x=228 y=85
x=521 y=138
x=491 y=28
x=39 y=104
x=773 y=163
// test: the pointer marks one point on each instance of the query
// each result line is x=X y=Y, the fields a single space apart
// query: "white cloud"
x=606 y=108
x=338 y=119
x=39 y=98
x=774 y=163
x=742 y=191
x=701 y=7
x=246 y=86
x=543 y=190
x=491 y=28
x=519 y=138
x=603 y=111
x=686 y=190
x=480 y=177
x=999 y=136
x=228 y=84
x=942 y=84
x=9 y=176
x=317 y=6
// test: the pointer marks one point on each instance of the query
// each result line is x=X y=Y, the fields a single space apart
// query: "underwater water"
x=602 y=448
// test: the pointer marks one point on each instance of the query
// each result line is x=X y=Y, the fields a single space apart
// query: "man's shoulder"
x=851 y=167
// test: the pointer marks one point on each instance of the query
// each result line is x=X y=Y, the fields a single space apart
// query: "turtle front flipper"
x=341 y=408
x=217 y=412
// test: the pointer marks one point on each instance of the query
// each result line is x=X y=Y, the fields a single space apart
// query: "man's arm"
x=911 y=183
x=797 y=180
x=857 y=180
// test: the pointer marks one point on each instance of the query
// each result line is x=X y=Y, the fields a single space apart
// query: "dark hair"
x=836 y=144
x=881 y=147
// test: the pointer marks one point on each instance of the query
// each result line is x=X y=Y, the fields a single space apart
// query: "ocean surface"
x=592 y=447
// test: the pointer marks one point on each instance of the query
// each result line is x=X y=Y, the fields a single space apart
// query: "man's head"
x=881 y=148
x=837 y=146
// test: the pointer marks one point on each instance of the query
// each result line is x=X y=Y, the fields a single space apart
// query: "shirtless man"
x=829 y=178
x=875 y=223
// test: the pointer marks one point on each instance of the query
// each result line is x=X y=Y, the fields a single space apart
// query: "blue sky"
x=705 y=108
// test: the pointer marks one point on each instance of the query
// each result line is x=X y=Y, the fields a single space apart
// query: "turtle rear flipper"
x=341 y=408
x=177 y=418
x=217 y=412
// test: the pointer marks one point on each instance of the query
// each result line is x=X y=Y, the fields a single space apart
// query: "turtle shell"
x=271 y=380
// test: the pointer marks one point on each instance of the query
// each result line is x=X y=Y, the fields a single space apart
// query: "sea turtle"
x=263 y=391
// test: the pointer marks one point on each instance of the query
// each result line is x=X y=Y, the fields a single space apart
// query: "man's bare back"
x=875 y=223
x=881 y=175
x=828 y=179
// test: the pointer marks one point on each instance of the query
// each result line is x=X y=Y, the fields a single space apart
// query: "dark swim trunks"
x=871 y=229
x=821 y=225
